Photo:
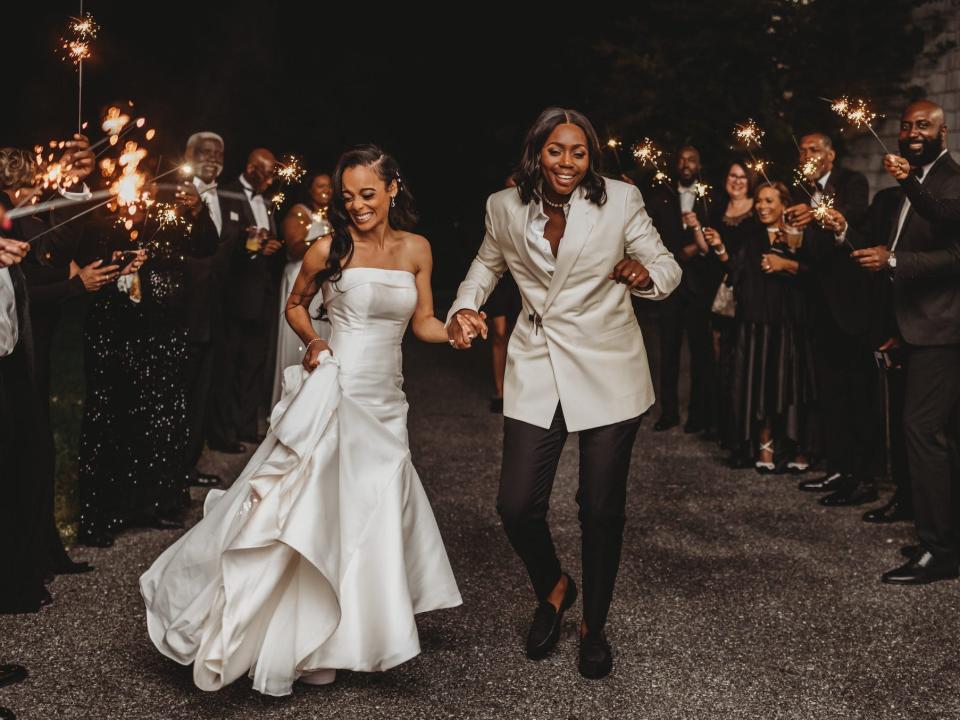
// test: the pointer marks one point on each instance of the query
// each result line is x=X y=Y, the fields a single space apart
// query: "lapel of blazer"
x=580 y=221
x=519 y=215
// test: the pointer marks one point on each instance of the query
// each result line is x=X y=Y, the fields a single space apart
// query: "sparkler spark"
x=809 y=169
x=748 y=133
x=114 y=121
x=822 y=211
x=701 y=189
x=75 y=51
x=858 y=113
x=84 y=27
x=646 y=153
x=277 y=200
x=614 y=143
x=290 y=170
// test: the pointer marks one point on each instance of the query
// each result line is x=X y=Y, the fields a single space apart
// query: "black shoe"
x=922 y=570
x=95 y=538
x=827 y=483
x=229 y=448
x=857 y=492
x=665 y=423
x=545 y=630
x=596 y=661
x=894 y=511
x=11 y=674
x=205 y=480
x=691 y=428
x=496 y=405
x=911 y=552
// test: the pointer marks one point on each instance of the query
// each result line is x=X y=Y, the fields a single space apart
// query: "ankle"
x=559 y=591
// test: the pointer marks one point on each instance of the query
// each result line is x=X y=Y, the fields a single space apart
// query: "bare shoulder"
x=416 y=249
x=318 y=252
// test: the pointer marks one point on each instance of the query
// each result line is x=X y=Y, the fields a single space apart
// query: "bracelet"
x=316 y=339
x=720 y=250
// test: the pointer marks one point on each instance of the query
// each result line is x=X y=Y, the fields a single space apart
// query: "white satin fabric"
x=323 y=550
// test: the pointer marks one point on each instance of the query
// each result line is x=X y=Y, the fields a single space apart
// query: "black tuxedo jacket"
x=250 y=291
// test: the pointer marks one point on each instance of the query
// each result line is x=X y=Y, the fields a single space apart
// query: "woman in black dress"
x=134 y=431
x=772 y=380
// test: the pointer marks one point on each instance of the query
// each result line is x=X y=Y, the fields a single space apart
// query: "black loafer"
x=11 y=674
x=827 y=483
x=857 y=492
x=922 y=570
x=596 y=661
x=894 y=511
x=545 y=629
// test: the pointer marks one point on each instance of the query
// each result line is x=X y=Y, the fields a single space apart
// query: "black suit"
x=251 y=304
x=845 y=321
x=926 y=301
x=686 y=311
x=206 y=336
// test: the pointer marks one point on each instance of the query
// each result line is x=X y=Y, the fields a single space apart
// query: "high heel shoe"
x=762 y=467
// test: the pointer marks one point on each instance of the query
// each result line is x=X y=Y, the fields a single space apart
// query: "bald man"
x=920 y=258
x=251 y=295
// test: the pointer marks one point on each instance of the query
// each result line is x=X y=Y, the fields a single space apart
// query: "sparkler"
x=290 y=170
x=646 y=153
x=277 y=200
x=702 y=191
x=749 y=134
x=858 y=113
x=615 y=146
x=76 y=49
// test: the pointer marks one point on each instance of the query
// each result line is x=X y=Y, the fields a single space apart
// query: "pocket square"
x=234 y=216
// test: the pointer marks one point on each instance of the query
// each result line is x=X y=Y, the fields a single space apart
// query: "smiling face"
x=688 y=165
x=564 y=159
x=769 y=206
x=923 y=133
x=736 y=184
x=366 y=197
x=321 y=190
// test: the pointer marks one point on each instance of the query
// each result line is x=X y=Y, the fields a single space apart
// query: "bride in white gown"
x=323 y=550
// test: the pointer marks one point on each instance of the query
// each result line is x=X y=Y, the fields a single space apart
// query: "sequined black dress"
x=134 y=430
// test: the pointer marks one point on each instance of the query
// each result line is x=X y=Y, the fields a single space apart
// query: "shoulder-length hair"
x=529 y=175
x=778 y=187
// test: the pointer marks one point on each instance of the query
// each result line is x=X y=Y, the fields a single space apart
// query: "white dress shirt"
x=539 y=246
x=9 y=329
x=905 y=208
x=208 y=193
x=257 y=203
x=688 y=197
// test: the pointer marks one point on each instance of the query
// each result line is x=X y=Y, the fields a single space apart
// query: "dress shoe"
x=11 y=674
x=545 y=629
x=911 y=552
x=95 y=538
x=894 y=511
x=665 y=423
x=922 y=570
x=856 y=492
x=691 y=427
x=205 y=480
x=827 y=483
x=596 y=661
x=234 y=448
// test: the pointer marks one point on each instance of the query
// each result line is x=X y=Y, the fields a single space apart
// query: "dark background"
x=450 y=91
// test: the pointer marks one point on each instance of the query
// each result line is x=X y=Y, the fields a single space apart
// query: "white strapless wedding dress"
x=323 y=550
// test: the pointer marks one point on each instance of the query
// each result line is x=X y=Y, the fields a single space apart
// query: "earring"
x=393 y=201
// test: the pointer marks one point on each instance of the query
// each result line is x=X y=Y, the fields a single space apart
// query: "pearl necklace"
x=558 y=206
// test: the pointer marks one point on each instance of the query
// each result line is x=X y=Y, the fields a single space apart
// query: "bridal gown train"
x=323 y=550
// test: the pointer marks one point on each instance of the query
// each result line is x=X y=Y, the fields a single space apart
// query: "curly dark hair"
x=402 y=216
x=529 y=175
x=18 y=168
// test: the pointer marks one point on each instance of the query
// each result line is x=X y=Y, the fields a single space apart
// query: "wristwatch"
x=892 y=261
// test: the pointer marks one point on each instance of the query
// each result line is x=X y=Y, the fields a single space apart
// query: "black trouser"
x=530 y=458
x=849 y=401
x=247 y=345
x=929 y=423
x=199 y=380
x=678 y=314
x=899 y=465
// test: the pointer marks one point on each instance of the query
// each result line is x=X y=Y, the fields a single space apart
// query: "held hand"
x=631 y=273
x=873 y=259
x=311 y=358
x=712 y=237
x=464 y=326
x=891 y=344
x=79 y=157
x=271 y=247
x=690 y=220
x=798 y=215
x=94 y=276
x=834 y=221
x=12 y=252
x=898 y=167
x=772 y=263
x=134 y=264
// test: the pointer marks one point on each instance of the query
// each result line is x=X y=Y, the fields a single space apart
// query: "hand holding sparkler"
x=898 y=167
x=12 y=252
x=799 y=215
x=79 y=158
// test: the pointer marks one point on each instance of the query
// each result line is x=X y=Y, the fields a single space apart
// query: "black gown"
x=134 y=431
x=773 y=371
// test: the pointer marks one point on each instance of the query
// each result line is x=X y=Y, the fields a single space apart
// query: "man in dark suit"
x=844 y=321
x=251 y=293
x=675 y=212
x=923 y=259
x=218 y=216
